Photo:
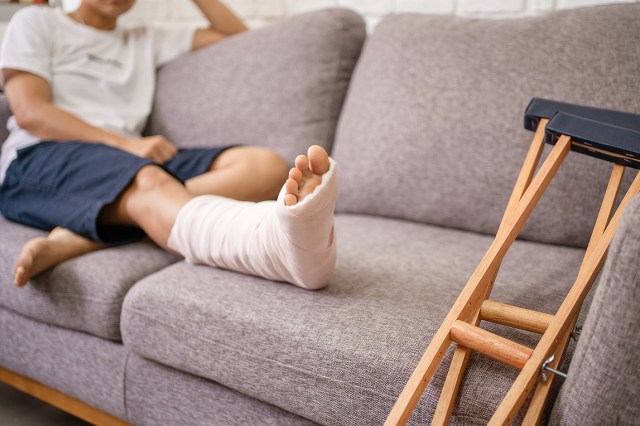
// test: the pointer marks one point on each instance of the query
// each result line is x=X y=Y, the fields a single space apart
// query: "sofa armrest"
x=5 y=113
x=603 y=386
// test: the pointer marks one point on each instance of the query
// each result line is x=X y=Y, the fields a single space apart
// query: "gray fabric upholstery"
x=431 y=133
x=285 y=82
x=5 y=113
x=281 y=86
x=160 y=395
x=436 y=107
x=603 y=385
x=343 y=354
x=80 y=365
x=85 y=293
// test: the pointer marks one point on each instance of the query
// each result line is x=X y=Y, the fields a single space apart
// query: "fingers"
x=164 y=150
x=167 y=152
x=156 y=148
x=160 y=149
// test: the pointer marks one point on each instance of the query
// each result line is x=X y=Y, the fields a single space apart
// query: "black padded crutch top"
x=610 y=135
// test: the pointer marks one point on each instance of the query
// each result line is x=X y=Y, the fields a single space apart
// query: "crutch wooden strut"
x=609 y=135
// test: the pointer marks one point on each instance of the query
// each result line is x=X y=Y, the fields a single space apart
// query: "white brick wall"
x=258 y=13
x=262 y=12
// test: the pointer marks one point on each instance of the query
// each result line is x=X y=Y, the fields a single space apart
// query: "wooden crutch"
x=610 y=135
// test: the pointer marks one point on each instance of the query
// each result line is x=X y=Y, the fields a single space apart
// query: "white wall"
x=262 y=12
x=258 y=13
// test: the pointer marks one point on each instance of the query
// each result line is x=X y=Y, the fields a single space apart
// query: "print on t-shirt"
x=114 y=62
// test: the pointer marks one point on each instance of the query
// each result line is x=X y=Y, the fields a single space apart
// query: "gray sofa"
x=424 y=118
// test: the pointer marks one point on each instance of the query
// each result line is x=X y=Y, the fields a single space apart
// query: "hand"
x=156 y=148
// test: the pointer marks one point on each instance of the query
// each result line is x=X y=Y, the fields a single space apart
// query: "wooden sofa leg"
x=58 y=399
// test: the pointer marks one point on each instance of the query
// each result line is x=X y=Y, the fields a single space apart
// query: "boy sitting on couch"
x=81 y=89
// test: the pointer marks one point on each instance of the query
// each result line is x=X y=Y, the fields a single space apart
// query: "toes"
x=24 y=264
x=318 y=160
x=292 y=186
x=306 y=175
x=302 y=163
x=290 y=200
x=295 y=174
x=21 y=276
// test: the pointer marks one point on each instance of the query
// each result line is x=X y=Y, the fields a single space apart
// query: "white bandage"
x=268 y=239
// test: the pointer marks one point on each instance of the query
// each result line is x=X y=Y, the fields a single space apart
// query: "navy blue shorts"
x=68 y=184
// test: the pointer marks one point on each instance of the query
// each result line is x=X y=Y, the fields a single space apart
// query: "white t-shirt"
x=106 y=78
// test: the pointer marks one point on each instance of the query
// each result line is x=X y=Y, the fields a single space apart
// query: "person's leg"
x=246 y=173
x=290 y=239
x=152 y=202
x=154 y=199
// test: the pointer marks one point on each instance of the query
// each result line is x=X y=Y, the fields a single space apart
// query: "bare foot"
x=40 y=254
x=306 y=175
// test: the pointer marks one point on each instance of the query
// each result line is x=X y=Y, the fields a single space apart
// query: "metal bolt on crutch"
x=545 y=368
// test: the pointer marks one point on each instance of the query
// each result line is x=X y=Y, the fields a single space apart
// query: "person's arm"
x=223 y=22
x=30 y=100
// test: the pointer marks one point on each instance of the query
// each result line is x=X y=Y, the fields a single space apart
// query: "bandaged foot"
x=291 y=239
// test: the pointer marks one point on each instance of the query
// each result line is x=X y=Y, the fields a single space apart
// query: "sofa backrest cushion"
x=431 y=130
x=5 y=114
x=281 y=86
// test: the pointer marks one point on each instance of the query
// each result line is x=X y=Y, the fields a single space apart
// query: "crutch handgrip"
x=599 y=139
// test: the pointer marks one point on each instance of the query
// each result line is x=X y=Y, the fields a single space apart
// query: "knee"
x=271 y=165
x=268 y=168
x=151 y=178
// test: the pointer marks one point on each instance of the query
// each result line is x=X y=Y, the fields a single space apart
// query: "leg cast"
x=292 y=243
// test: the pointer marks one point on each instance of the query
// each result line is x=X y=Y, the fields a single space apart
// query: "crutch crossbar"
x=514 y=316
x=490 y=344
x=610 y=135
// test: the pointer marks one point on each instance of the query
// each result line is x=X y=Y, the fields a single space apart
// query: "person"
x=81 y=88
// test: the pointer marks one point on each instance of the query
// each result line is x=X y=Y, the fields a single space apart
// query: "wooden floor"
x=20 y=409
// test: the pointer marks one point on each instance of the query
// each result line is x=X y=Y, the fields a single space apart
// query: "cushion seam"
x=124 y=385
x=92 y=299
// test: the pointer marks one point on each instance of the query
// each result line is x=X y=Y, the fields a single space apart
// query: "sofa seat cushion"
x=83 y=294
x=443 y=98
x=281 y=86
x=85 y=367
x=343 y=354
x=160 y=395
